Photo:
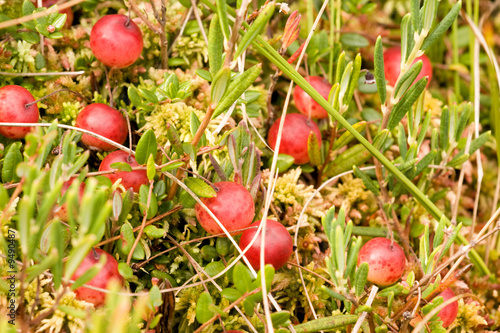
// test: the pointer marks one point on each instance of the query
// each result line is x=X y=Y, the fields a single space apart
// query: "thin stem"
x=143 y=225
x=56 y=92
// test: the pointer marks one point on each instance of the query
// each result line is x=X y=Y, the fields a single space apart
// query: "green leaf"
x=223 y=15
x=143 y=201
x=313 y=149
x=379 y=69
x=122 y=166
x=444 y=129
x=133 y=96
x=195 y=124
x=231 y=294
x=444 y=25
x=219 y=85
x=12 y=158
x=281 y=318
x=203 y=312
x=151 y=169
x=174 y=140
x=256 y=28
x=407 y=79
x=361 y=278
x=127 y=237
x=415 y=15
x=354 y=40
x=59 y=21
x=200 y=188
x=352 y=256
x=205 y=75
x=242 y=278
x=215 y=47
x=146 y=146
x=463 y=120
x=30 y=37
x=47 y=263
x=257 y=283
x=333 y=294
x=125 y=270
x=153 y=232
x=172 y=166
x=237 y=88
x=284 y=162
x=479 y=142
x=353 y=83
x=355 y=155
x=190 y=150
x=429 y=11
x=405 y=104
x=150 y=96
x=367 y=181
x=439 y=235
x=347 y=137
x=213 y=268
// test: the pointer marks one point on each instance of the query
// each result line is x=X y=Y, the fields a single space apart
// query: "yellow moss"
x=468 y=317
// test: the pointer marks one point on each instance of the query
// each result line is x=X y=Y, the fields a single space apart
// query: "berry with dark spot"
x=130 y=179
x=13 y=100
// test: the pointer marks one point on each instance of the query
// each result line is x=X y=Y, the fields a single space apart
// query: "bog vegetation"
x=249 y=166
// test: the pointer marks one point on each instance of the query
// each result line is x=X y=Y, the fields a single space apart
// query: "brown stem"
x=194 y=143
x=143 y=225
x=156 y=219
x=131 y=4
x=55 y=92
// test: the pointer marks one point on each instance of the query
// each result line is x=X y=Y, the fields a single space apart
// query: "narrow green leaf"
x=12 y=158
x=204 y=74
x=479 y=142
x=199 y=187
x=352 y=256
x=223 y=15
x=189 y=150
x=403 y=149
x=405 y=104
x=47 y=263
x=203 y=312
x=406 y=38
x=407 y=80
x=361 y=278
x=458 y=160
x=172 y=166
x=313 y=149
x=256 y=28
x=194 y=125
x=415 y=15
x=429 y=11
x=237 y=88
x=340 y=67
x=143 y=201
x=444 y=25
x=219 y=85
x=444 y=129
x=369 y=183
x=150 y=96
x=174 y=140
x=354 y=80
x=333 y=294
x=215 y=46
x=146 y=146
x=127 y=237
x=379 y=70
x=355 y=155
x=463 y=120
x=151 y=170
x=347 y=137
x=340 y=250
x=439 y=235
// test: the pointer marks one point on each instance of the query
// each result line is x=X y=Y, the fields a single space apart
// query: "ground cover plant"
x=249 y=166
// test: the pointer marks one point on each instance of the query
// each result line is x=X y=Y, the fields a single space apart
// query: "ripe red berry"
x=306 y=104
x=116 y=41
x=130 y=179
x=296 y=130
x=101 y=280
x=392 y=66
x=387 y=263
x=233 y=206
x=449 y=312
x=103 y=120
x=278 y=247
x=13 y=100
